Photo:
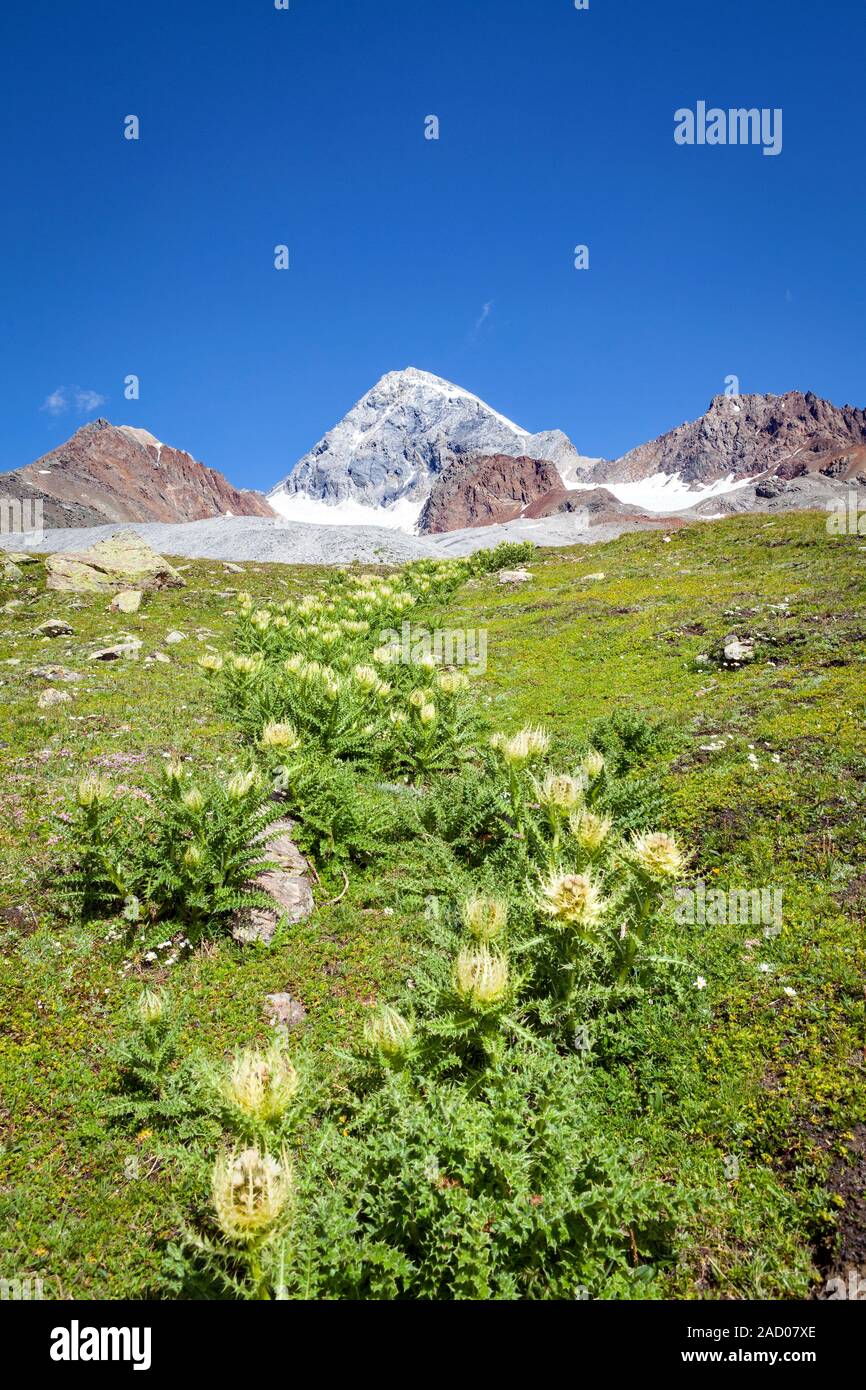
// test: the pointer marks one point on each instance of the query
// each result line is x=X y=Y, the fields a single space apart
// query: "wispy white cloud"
x=486 y=311
x=56 y=403
x=85 y=401
x=76 y=398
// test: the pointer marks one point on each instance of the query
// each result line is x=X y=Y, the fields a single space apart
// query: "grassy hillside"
x=741 y=1090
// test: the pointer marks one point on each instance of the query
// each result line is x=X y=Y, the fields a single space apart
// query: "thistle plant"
x=258 y=1088
x=251 y=1194
x=558 y=795
x=656 y=862
x=151 y=1090
x=485 y=918
x=518 y=753
x=482 y=991
x=573 y=902
x=390 y=1035
x=102 y=877
x=591 y=833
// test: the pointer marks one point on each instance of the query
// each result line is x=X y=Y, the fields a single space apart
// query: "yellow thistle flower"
x=450 y=682
x=481 y=977
x=151 y=1006
x=593 y=764
x=559 y=791
x=210 y=662
x=240 y=785
x=427 y=714
x=280 y=736
x=193 y=800
x=397 y=717
x=261 y=1084
x=589 y=830
x=388 y=1032
x=294 y=663
x=93 y=790
x=573 y=900
x=386 y=656
x=261 y=619
x=485 y=918
x=658 y=855
x=250 y=1191
x=527 y=745
x=193 y=856
x=365 y=677
x=246 y=665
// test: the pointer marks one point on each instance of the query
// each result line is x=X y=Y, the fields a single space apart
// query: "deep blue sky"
x=306 y=127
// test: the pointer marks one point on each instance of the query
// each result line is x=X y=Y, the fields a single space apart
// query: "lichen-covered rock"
x=288 y=886
x=54 y=673
x=51 y=697
x=129 y=648
x=54 y=627
x=127 y=601
x=111 y=565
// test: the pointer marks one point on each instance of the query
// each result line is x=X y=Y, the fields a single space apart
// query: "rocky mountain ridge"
x=112 y=473
x=401 y=435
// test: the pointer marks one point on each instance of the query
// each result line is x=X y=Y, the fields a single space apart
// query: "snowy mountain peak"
x=379 y=463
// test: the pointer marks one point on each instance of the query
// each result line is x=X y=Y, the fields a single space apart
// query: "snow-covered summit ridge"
x=387 y=451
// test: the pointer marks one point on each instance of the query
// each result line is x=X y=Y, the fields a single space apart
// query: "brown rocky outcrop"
x=746 y=435
x=485 y=489
x=111 y=472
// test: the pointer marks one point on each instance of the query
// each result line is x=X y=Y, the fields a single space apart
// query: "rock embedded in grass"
x=54 y=627
x=54 y=673
x=288 y=886
x=737 y=653
x=111 y=564
x=129 y=648
x=51 y=697
x=127 y=601
x=283 y=1012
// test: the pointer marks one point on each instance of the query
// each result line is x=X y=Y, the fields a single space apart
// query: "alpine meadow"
x=432 y=681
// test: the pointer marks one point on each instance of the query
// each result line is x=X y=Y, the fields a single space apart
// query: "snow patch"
x=667 y=492
x=141 y=436
x=401 y=515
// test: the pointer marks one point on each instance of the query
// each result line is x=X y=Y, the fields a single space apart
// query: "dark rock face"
x=744 y=436
x=771 y=487
x=491 y=490
x=484 y=490
x=115 y=473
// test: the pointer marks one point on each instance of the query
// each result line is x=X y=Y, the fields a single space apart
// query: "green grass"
x=754 y=1109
